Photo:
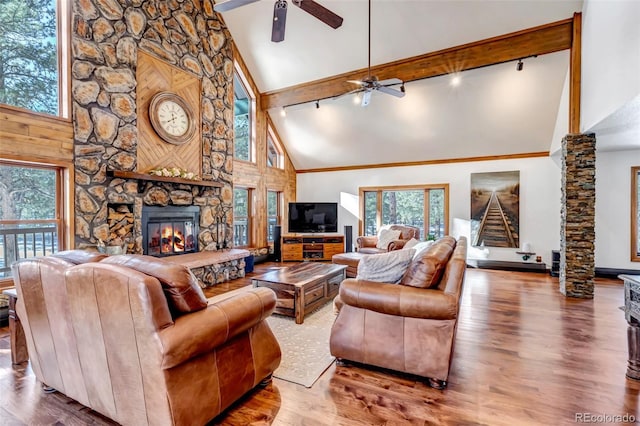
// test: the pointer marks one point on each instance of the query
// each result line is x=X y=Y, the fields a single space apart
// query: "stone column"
x=577 y=227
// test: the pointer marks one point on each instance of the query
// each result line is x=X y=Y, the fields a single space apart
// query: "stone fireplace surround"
x=106 y=36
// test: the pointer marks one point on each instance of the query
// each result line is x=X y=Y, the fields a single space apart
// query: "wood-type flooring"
x=524 y=355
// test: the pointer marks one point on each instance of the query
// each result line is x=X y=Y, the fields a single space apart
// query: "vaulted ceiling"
x=495 y=110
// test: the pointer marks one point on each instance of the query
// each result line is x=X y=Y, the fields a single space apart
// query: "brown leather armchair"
x=408 y=327
x=133 y=338
x=367 y=244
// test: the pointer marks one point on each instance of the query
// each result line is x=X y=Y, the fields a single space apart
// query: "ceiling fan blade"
x=350 y=92
x=360 y=82
x=390 y=82
x=390 y=91
x=366 y=98
x=231 y=4
x=320 y=12
x=279 y=21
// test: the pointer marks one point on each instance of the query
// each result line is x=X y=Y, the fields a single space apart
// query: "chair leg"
x=437 y=384
x=265 y=382
x=341 y=362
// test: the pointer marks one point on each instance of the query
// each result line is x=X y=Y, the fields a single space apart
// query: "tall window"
x=422 y=206
x=274 y=151
x=274 y=207
x=243 y=118
x=241 y=217
x=635 y=214
x=30 y=55
x=30 y=213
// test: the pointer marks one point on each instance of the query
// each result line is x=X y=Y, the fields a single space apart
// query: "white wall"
x=613 y=208
x=539 y=195
x=610 y=58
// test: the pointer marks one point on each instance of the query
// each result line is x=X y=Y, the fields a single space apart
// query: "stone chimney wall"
x=106 y=37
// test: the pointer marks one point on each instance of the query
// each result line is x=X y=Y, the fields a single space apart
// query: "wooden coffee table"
x=302 y=288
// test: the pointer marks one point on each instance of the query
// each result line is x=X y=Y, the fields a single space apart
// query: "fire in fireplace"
x=170 y=230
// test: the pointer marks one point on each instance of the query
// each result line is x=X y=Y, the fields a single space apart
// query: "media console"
x=311 y=247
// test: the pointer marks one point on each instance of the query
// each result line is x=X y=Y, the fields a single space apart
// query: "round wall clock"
x=171 y=118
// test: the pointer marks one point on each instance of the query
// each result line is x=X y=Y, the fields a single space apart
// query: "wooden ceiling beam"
x=540 y=40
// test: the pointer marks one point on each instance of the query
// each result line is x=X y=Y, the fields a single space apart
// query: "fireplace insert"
x=171 y=230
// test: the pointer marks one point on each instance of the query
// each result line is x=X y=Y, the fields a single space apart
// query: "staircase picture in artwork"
x=495 y=203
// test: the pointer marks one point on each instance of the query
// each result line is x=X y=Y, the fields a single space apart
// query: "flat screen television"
x=313 y=217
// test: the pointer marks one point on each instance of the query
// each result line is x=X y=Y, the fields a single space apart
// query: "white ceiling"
x=495 y=110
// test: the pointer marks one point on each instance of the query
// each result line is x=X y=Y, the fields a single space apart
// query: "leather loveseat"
x=133 y=337
x=410 y=326
x=368 y=244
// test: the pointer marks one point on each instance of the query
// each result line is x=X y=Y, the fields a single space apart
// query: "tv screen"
x=313 y=217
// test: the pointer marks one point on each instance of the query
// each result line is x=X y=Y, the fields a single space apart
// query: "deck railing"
x=21 y=239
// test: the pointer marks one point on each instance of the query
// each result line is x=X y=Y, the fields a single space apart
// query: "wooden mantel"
x=155 y=178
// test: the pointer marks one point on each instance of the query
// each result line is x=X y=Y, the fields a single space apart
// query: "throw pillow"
x=427 y=269
x=385 y=237
x=421 y=247
x=410 y=244
x=180 y=286
x=384 y=267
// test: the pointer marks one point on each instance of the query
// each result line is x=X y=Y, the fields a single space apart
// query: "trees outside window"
x=275 y=158
x=274 y=203
x=415 y=205
x=30 y=213
x=29 y=55
x=243 y=118
x=241 y=217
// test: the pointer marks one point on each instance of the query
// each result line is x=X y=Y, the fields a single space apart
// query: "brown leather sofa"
x=133 y=337
x=408 y=327
x=367 y=244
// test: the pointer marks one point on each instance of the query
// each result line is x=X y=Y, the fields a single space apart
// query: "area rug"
x=305 y=347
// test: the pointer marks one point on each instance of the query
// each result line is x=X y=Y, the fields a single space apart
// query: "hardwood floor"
x=524 y=355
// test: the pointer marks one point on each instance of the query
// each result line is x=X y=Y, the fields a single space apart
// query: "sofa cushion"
x=180 y=286
x=421 y=248
x=385 y=237
x=410 y=244
x=384 y=267
x=426 y=270
x=80 y=256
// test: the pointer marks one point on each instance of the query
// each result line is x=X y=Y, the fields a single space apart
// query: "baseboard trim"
x=504 y=265
x=614 y=272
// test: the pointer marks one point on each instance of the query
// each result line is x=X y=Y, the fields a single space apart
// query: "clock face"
x=171 y=118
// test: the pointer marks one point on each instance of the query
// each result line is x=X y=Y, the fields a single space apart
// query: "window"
x=243 y=118
x=30 y=213
x=33 y=55
x=635 y=214
x=274 y=209
x=414 y=205
x=274 y=152
x=241 y=217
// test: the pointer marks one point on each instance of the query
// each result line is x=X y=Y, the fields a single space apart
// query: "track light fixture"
x=283 y=112
x=402 y=89
x=317 y=104
x=519 y=65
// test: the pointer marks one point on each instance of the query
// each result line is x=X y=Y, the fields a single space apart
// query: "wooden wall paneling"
x=257 y=175
x=154 y=75
x=575 y=78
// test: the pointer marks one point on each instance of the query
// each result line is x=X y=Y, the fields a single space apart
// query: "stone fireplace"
x=108 y=39
x=171 y=230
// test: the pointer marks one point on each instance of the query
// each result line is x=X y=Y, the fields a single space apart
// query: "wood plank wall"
x=258 y=176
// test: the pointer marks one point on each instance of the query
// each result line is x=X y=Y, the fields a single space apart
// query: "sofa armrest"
x=399 y=300
x=366 y=241
x=396 y=245
x=199 y=332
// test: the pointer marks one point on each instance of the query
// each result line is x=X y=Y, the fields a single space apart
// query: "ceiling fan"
x=371 y=83
x=280 y=14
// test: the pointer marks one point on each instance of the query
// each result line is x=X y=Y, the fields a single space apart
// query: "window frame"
x=250 y=193
x=63 y=44
x=61 y=211
x=238 y=71
x=279 y=208
x=272 y=136
x=380 y=189
x=635 y=229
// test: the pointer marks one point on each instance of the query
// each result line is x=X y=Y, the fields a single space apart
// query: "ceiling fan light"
x=356 y=99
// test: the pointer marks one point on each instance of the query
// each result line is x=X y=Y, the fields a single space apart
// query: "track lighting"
x=402 y=87
x=519 y=65
x=317 y=104
x=283 y=112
